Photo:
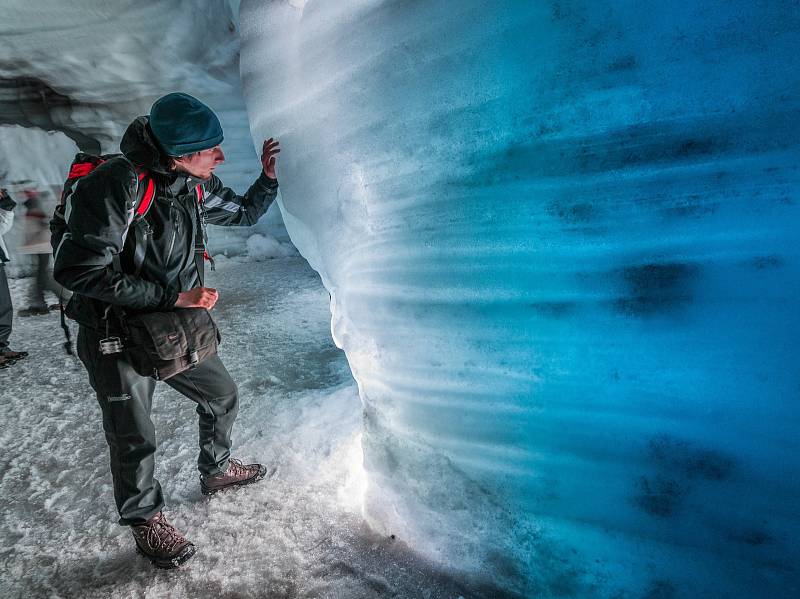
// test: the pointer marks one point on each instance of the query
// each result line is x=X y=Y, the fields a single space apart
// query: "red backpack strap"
x=149 y=193
x=82 y=165
x=81 y=169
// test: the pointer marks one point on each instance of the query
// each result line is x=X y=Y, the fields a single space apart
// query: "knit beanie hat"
x=183 y=124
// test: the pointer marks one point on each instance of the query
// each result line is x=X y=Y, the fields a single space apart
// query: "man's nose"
x=219 y=156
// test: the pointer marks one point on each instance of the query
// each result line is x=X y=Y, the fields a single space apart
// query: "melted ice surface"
x=560 y=241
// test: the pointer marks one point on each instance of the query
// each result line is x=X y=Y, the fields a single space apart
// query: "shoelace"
x=161 y=534
x=236 y=468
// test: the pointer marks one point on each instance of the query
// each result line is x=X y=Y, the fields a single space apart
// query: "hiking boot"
x=161 y=543
x=12 y=356
x=236 y=475
x=33 y=311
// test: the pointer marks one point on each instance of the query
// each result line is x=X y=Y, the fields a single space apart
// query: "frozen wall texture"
x=561 y=244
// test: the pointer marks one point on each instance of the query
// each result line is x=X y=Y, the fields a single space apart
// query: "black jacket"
x=98 y=216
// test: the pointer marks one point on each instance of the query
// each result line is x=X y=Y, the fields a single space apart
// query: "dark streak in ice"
x=767 y=262
x=754 y=537
x=656 y=287
x=678 y=466
x=660 y=589
x=659 y=496
x=692 y=462
x=554 y=309
x=623 y=63
x=583 y=212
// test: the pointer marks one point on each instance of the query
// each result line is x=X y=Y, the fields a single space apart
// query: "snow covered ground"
x=299 y=534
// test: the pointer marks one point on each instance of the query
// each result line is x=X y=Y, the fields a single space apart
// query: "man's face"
x=201 y=164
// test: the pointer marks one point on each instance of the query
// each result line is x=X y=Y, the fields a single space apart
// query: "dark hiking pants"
x=125 y=399
x=44 y=282
x=6 y=310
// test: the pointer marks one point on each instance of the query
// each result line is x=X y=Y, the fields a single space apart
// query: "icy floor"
x=299 y=534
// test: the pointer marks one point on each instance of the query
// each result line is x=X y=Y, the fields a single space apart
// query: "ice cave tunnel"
x=557 y=237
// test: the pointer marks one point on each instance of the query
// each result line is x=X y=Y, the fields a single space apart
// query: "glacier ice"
x=560 y=242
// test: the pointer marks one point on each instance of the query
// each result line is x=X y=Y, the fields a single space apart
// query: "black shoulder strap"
x=142 y=231
x=198 y=263
x=200 y=237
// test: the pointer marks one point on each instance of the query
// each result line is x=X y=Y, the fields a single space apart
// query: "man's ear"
x=173 y=162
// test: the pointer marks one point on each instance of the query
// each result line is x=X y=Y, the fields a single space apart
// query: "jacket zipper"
x=174 y=231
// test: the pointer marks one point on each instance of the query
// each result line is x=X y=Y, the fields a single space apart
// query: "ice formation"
x=560 y=242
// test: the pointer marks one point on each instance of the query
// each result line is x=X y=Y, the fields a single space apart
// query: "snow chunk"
x=263 y=247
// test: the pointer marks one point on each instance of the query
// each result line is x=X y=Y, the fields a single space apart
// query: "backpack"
x=82 y=165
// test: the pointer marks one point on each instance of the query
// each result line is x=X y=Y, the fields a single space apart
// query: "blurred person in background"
x=7 y=355
x=37 y=245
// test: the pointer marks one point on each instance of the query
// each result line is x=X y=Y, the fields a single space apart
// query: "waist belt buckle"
x=110 y=346
x=194 y=358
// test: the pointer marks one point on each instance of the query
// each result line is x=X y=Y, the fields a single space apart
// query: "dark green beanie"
x=183 y=124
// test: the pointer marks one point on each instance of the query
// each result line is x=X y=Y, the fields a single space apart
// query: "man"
x=7 y=356
x=178 y=145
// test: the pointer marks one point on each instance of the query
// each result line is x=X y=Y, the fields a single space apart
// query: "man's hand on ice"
x=269 y=154
x=199 y=297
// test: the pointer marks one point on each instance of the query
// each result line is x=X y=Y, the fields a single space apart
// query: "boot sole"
x=172 y=563
x=249 y=481
x=11 y=361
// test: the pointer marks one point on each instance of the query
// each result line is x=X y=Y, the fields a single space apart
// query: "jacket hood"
x=140 y=147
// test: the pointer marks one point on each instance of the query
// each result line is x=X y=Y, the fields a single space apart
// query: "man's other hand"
x=269 y=154
x=199 y=297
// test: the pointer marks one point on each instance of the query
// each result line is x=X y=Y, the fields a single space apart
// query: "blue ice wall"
x=561 y=243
